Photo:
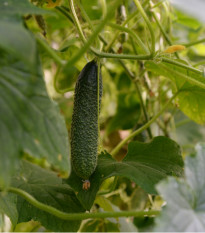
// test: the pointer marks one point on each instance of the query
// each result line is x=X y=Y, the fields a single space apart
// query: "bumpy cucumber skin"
x=84 y=127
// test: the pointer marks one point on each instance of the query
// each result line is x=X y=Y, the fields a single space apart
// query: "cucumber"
x=84 y=127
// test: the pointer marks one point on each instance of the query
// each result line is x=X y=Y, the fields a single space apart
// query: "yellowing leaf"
x=174 y=48
x=53 y=3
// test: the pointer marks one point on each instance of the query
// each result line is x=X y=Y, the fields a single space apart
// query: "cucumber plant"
x=74 y=160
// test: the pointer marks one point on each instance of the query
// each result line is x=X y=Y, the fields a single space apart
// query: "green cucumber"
x=84 y=127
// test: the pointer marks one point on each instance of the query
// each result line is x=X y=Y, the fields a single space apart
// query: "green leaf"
x=31 y=226
x=47 y=188
x=190 y=7
x=30 y=121
x=187 y=132
x=191 y=102
x=100 y=225
x=91 y=225
x=187 y=20
x=104 y=203
x=185 y=198
x=16 y=7
x=145 y=164
x=191 y=98
x=18 y=41
x=8 y=207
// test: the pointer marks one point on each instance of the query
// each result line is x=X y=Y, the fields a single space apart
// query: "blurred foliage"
x=126 y=98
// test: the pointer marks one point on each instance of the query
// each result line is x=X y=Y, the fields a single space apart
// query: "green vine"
x=78 y=216
x=145 y=126
x=137 y=3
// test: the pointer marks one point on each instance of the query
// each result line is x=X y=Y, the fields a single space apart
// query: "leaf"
x=30 y=226
x=191 y=98
x=187 y=132
x=16 y=7
x=30 y=121
x=91 y=225
x=192 y=7
x=187 y=20
x=18 y=41
x=144 y=224
x=185 y=210
x=8 y=207
x=100 y=225
x=47 y=188
x=104 y=203
x=145 y=164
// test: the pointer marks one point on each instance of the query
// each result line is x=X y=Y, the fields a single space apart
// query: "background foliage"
x=151 y=119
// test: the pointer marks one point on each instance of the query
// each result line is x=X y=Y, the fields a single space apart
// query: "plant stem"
x=113 y=39
x=116 y=26
x=78 y=216
x=129 y=31
x=121 y=56
x=55 y=83
x=64 y=12
x=199 y=63
x=91 y=39
x=143 y=109
x=86 y=17
x=132 y=77
x=87 y=44
x=162 y=30
x=145 y=126
x=157 y=4
x=50 y=51
x=183 y=122
x=167 y=60
x=186 y=77
x=131 y=16
x=137 y=3
x=104 y=7
x=77 y=23
x=194 y=43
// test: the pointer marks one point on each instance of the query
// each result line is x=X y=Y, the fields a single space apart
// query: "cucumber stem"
x=78 y=216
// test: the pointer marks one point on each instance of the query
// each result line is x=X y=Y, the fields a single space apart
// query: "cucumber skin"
x=84 y=127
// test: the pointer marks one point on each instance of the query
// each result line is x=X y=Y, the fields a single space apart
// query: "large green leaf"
x=29 y=121
x=145 y=164
x=191 y=98
x=22 y=7
x=18 y=41
x=185 y=210
x=47 y=188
